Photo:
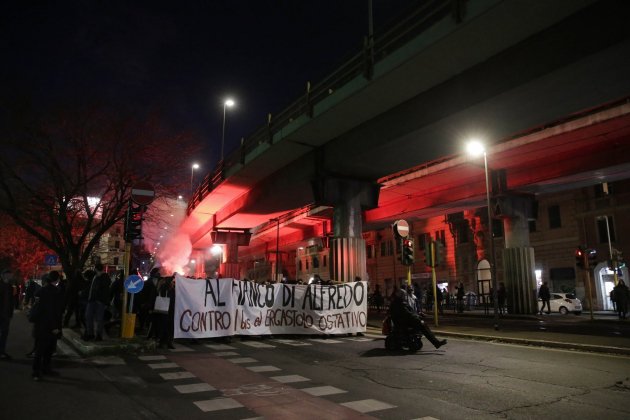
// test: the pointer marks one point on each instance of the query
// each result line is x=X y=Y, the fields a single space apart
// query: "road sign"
x=401 y=227
x=134 y=284
x=51 y=260
x=142 y=193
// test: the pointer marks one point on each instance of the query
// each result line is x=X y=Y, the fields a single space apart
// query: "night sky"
x=182 y=58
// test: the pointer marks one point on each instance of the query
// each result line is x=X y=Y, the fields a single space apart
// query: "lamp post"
x=475 y=148
x=228 y=103
x=192 y=174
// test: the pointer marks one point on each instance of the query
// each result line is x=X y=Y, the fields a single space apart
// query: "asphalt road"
x=304 y=378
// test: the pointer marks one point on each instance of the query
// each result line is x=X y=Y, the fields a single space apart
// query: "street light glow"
x=475 y=148
x=229 y=102
x=216 y=250
x=195 y=166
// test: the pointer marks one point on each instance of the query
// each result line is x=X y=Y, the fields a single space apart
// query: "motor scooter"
x=399 y=338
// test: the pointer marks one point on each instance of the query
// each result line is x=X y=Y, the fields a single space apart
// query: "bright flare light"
x=475 y=148
x=216 y=250
x=229 y=102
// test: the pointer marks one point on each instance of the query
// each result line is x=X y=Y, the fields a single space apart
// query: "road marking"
x=65 y=350
x=107 y=360
x=225 y=353
x=242 y=360
x=190 y=388
x=325 y=341
x=359 y=339
x=259 y=390
x=319 y=391
x=288 y=379
x=292 y=342
x=426 y=418
x=265 y=368
x=176 y=375
x=219 y=347
x=258 y=345
x=367 y=406
x=163 y=365
x=150 y=358
x=217 y=404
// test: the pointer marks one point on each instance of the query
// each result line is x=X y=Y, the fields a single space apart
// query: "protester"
x=98 y=299
x=165 y=321
x=48 y=309
x=75 y=284
x=146 y=299
x=6 y=311
x=377 y=298
x=405 y=317
x=545 y=296
x=622 y=295
x=460 y=298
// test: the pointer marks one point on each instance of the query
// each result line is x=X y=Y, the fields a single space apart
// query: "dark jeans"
x=4 y=333
x=542 y=308
x=94 y=312
x=44 y=348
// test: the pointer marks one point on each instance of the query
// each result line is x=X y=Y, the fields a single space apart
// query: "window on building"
x=463 y=233
x=300 y=265
x=115 y=260
x=440 y=236
x=307 y=267
x=117 y=246
x=325 y=260
x=390 y=248
x=497 y=228
x=423 y=239
x=602 y=229
x=398 y=246
x=603 y=189
x=532 y=226
x=383 y=249
x=117 y=230
x=554 y=217
x=562 y=273
x=368 y=252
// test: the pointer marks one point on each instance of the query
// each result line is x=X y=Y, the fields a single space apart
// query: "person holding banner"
x=405 y=317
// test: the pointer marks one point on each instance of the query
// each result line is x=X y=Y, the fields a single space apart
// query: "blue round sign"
x=134 y=283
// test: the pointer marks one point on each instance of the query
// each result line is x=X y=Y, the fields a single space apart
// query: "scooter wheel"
x=415 y=343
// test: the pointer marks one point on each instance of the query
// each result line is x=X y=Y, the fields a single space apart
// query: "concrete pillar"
x=349 y=198
x=200 y=263
x=231 y=240
x=518 y=256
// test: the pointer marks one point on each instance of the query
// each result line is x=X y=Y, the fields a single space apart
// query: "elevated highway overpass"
x=543 y=83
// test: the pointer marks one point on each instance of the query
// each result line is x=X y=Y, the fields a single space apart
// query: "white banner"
x=222 y=307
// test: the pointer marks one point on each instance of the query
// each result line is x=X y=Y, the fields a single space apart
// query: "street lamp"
x=192 y=174
x=228 y=103
x=475 y=149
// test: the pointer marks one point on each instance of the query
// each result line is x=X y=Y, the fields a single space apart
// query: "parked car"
x=563 y=303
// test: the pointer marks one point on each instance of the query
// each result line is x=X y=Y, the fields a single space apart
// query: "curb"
x=107 y=347
x=591 y=348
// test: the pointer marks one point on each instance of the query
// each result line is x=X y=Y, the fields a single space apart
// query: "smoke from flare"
x=175 y=253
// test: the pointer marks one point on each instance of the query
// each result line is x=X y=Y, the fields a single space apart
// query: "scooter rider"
x=405 y=317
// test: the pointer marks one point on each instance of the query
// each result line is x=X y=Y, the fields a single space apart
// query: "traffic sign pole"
x=126 y=259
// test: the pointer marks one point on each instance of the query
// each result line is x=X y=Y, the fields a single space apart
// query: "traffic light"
x=407 y=252
x=592 y=257
x=133 y=222
x=579 y=257
x=428 y=259
x=439 y=251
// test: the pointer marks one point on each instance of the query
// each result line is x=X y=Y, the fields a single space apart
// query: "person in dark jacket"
x=147 y=302
x=622 y=296
x=501 y=296
x=98 y=299
x=165 y=321
x=47 y=325
x=75 y=285
x=6 y=311
x=545 y=296
x=405 y=317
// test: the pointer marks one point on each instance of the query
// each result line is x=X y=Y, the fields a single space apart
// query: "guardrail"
x=360 y=64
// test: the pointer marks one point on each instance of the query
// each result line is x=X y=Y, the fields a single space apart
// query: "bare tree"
x=19 y=250
x=67 y=178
